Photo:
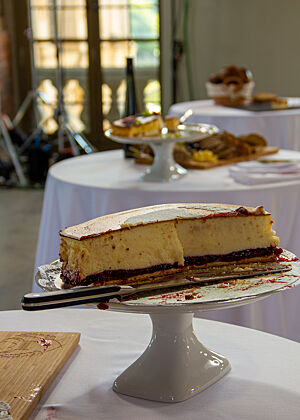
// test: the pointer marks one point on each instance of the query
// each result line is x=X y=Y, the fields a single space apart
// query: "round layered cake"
x=128 y=247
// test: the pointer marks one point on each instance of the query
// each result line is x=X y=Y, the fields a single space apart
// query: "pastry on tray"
x=270 y=98
x=263 y=97
x=127 y=247
x=224 y=145
x=231 y=86
x=138 y=126
x=253 y=140
x=221 y=148
x=280 y=103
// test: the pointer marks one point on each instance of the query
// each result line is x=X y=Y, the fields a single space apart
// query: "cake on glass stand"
x=164 y=167
x=176 y=365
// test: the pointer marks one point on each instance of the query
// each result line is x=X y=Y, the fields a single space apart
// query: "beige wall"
x=262 y=35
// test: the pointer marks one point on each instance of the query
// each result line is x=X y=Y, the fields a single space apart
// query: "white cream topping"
x=184 y=212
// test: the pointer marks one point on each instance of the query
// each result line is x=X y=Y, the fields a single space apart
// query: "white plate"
x=270 y=166
x=185 y=134
x=197 y=298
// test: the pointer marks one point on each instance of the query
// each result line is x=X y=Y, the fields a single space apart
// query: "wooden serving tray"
x=29 y=361
x=193 y=164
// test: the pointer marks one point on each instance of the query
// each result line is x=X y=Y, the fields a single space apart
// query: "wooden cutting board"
x=29 y=361
x=193 y=164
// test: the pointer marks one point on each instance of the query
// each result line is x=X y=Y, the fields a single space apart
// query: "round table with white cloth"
x=281 y=128
x=263 y=383
x=86 y=187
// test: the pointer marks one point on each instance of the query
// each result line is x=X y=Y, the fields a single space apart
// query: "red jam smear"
x=283 y=259
x=44 y=343
x=103 y=306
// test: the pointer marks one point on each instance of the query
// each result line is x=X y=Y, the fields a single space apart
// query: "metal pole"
x=23 y=108
x=59 y=82
x=12 y=153
x=34 y=78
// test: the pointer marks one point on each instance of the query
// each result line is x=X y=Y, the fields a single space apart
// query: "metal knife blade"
x=217 y=274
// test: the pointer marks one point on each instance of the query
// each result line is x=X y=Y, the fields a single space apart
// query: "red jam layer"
x=73 y=278
x=234 y=256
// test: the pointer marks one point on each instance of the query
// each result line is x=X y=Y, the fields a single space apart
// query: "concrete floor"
x=20 y=212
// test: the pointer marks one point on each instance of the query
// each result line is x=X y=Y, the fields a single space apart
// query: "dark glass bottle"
x=131 y=106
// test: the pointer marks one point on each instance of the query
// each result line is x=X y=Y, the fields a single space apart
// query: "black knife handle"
x=33 y=306
x=69 y=293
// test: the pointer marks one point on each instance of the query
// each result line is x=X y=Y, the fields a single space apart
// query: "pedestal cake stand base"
x=175 y=366
x=164 y=167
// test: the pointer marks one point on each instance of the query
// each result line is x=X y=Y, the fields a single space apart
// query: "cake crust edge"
x=103 y=225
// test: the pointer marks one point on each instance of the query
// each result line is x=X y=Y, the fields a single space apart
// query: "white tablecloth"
x=86 y=187
x=280 y=128
x=263 y=384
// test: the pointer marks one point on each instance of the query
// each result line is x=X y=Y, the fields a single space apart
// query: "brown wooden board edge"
x=192 y=164
x=30 y=408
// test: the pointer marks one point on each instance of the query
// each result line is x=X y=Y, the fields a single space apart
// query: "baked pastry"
x=219 y=148
x=272 y=99
x=138 y=126
x=232 y=86
x=171 y=123
x=224 y=145
x=126 y=247
x=253 y=140
x=279 y=103
x=263 y=97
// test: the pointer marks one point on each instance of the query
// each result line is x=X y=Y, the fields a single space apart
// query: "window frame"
x=94 y=71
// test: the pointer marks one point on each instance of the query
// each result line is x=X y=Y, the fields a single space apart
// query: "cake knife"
x=97 y=294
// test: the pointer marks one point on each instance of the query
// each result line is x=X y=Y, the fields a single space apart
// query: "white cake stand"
x=164 y=167
x=175 y=366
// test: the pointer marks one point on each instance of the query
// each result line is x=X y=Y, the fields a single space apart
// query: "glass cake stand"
x=176 y=366
x=164 y=167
